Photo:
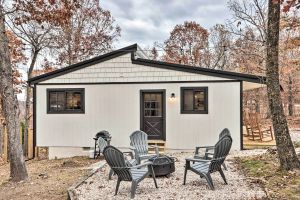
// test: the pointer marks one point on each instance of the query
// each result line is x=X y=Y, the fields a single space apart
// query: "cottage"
x=123 y=91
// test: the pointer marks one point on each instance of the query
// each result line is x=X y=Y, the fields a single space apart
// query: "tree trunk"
x=290 y=97
x=28 y=103
x=286 y=152
x=1 y=138
x=18 y=170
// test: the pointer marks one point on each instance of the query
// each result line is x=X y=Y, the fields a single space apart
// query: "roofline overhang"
x=146 y=62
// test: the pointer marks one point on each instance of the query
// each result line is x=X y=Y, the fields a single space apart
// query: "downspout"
x=241 y=115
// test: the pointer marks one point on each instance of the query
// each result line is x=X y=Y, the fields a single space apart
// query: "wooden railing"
x=28 y=155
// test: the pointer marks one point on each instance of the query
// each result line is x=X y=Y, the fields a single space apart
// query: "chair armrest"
x=132 y=148
x=141 y=165
x=136 y=153
x=203 y=147
x=129 y=153
x=196 y=160
x=207 y=147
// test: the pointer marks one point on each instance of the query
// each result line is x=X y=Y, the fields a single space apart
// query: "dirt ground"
x=48 y=179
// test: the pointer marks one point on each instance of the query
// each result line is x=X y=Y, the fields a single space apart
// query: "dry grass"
x=48 y=179
x=264 y=170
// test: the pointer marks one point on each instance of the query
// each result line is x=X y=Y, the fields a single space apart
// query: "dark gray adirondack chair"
x=102 y=144
x=205 y=167
x=135 y=174
x=209 y=150
x=139 y=144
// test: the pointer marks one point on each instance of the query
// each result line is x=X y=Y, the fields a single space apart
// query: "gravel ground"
x=98 y=186
x=295 y=135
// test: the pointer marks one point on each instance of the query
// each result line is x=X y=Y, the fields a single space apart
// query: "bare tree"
x=88 y=31
x=219 y=43
x=286 y=152
x=18 y=170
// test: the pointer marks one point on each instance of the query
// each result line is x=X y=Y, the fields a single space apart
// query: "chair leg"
x=209 y=181
x=223 y=176
x=224 y=166
x=118 y=185
x=271 y=133
x=111 y=173
x=185 y=172
x=133 y=188
x=153 y=175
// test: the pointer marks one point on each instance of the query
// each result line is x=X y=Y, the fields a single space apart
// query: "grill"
x=163 y=165
x=106 y=136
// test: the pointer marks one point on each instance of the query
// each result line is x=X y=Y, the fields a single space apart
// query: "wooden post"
x=30 y=143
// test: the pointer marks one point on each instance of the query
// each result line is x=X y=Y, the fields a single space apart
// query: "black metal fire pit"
x=163 y=165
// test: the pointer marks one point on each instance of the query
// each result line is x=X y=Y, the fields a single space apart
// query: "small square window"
x=194 y=100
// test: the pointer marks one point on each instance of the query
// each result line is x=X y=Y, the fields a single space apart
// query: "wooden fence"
x=29 y=155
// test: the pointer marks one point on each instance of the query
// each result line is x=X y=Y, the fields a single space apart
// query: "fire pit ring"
x=163 y=165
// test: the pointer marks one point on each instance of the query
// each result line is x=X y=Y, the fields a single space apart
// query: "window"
x=194 y=100
x=65 y=100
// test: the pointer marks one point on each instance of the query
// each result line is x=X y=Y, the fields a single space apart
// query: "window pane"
x=56 y=101
x=188 y=99
x=73 y=101
x=199 y=100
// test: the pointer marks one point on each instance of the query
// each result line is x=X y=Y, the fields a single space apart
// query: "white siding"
x=116 y=108
x=121 y=69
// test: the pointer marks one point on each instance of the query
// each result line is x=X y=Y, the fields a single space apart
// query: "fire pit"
x=162 y=165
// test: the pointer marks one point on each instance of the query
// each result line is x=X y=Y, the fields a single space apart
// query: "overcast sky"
x=148 y=21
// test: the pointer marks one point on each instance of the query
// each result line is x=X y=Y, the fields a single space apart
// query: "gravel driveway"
x=98 y=186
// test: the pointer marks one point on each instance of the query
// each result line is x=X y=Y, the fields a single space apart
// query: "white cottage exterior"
x=122 y=91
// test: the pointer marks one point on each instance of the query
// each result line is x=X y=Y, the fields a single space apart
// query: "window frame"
x=194 y=89
x=65 y=90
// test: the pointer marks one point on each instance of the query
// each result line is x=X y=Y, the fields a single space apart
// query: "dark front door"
x=153 y=113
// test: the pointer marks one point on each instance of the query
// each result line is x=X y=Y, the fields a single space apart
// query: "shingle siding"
x=121 y=69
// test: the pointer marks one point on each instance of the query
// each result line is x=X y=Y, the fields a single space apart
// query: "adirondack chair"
x=139 y=144
x=205 y=167
x=101 y=145
x=209 y=150
x=135 y=174
x=257 y=130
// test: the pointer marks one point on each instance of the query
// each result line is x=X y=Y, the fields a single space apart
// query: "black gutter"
x=34 y=120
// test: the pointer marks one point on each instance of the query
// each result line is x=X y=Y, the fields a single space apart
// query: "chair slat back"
x=254 y=121
x=102 y=144
x=115 y=159
x=224 y=132
x=139 y=140
x=222 y=149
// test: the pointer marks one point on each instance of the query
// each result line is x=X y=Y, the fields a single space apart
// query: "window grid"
x=71 y=101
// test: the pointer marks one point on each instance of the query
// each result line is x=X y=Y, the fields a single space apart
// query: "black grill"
x=105 y=135
x=162 y=165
